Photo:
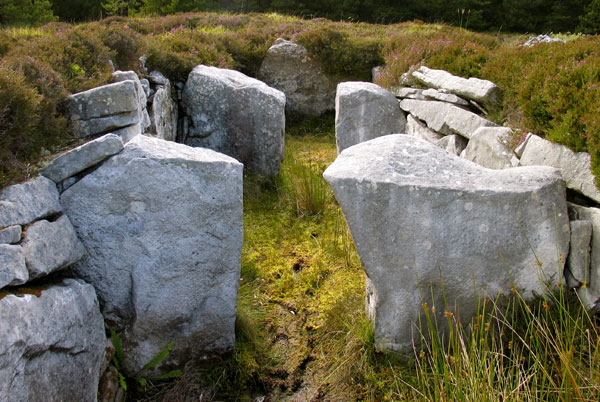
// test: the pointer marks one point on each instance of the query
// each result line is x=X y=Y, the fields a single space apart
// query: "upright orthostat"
x=418 y=213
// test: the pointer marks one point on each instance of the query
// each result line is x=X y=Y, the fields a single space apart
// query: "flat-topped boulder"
x=288 y=68
x=364 y=111
x=236 y=115
x=52 y=344
x=482 y=91
x=417 y=212
x=162 y=225
x=445 y=118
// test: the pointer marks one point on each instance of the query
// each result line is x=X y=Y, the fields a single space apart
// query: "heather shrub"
x=125 y=43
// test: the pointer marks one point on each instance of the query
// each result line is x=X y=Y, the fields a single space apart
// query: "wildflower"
x=510 y=345
x=425 y=306
x=546 y=306
x=448 y=314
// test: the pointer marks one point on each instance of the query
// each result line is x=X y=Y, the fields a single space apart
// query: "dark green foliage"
x=590 y=21
x=26 y=12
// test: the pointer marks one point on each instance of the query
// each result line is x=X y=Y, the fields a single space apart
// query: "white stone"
x=434 y=94
x=13 y=270
x=483 y=91
x=78 y=159
x=164 y=114
x=51 y=344
x=236 y=115
x=21 y=204
x=417 y=213
x=162 y=224
x=409 y=93
x=445 y=118
x=364 y=111
x=488 y=148
x=454 y=144
x=575 y=166
x=420 y=130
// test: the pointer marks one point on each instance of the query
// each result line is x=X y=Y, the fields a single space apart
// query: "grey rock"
x=364 y=111
x=21 y=204
x=535 y=40
x=83 y=157
x=13 y=270
x=236 y=115
x=157 y=78
x=10 y=235
x=51 y=246
x=288 y=68
x=482 y=91
x=51 y=344
x=143 y=59
x=441 y=96
x=575 y=166
x=589 y=299
x=144 y=118
x=454 y=144
x=445 y=118
x=162 y=224
x=519 y=149
x=416 y=128
x=376 y=71
x=103 y=109
x=417 y=213
x=66 y=184
x=409 y=93
x=593 y=216
x=578 y=261
x=488 y=148
x=164 y=114
x=128 y=133
x=146 y=87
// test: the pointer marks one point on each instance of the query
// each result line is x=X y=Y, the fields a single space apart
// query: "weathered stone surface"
x=51 y=344
x=488 y=148
x=162 y=224
x=578 y=262
x=157 y=78
x=454 y=144
x=593 y=216
x=535 y=40
x=441 y=96
x=575 y=166
x=410 y=93
x=144 y=118
x=21 y=204
x=479 y=90
x=416 y=212
x=11 y=235
x=445 y=118
x=418 y=129
x=103 y=109
x=288 y=68
x=83 y=157
x=51 y=246
x=364 y=111
x=164 y=114
x=146 y=87
x=519 y=149
x=236 y=115
x=13 y=270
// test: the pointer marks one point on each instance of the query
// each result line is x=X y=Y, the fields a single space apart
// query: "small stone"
x=10 y=235
x=416 y=128
x=444 y=97
x=13 y=270
x=578 y=261
x=487 y=147
x=21 y=204
x=454 y=144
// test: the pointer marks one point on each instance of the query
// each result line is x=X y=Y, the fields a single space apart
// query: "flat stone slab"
x=13 y=270
x=575 y=166
x=578 y=261
x=162 y=224
x=417 y=213
x=476 y=89
x=488 y=148
x=364 y=111
x=21 y=204
x=592 y=215
x=445 y=118
x=51 y=344
x=434 y=94
x=78 y=159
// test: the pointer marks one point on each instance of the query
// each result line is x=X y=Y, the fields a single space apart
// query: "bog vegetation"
x=301 y=328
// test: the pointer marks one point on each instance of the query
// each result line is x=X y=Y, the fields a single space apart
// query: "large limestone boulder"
x=445 y=118
x=575 y=166
x=288 y=68
x=21 y=204
x=236 y=115
x=162 y=225
x=364 y=111
x=483 y=91
x=51 y=344
x=417 y=213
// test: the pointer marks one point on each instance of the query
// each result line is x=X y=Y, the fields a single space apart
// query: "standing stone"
x=236 y=115
x=578 y=262
x=51 y=344
x=51 y=246
x=164 y=113
x=417 y=213
x=162 y=224
x=482 y=91
x=420 y=130
x=488 y=148
x=364 y=111
x=445 y=118
x=21 y=204
x=13 y=270
x=78 y=159
x=288 y=68
x=575 y=166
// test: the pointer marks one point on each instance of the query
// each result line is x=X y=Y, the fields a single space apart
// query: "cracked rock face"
x=416 y=212
x=162 y=225
x=51 y=344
